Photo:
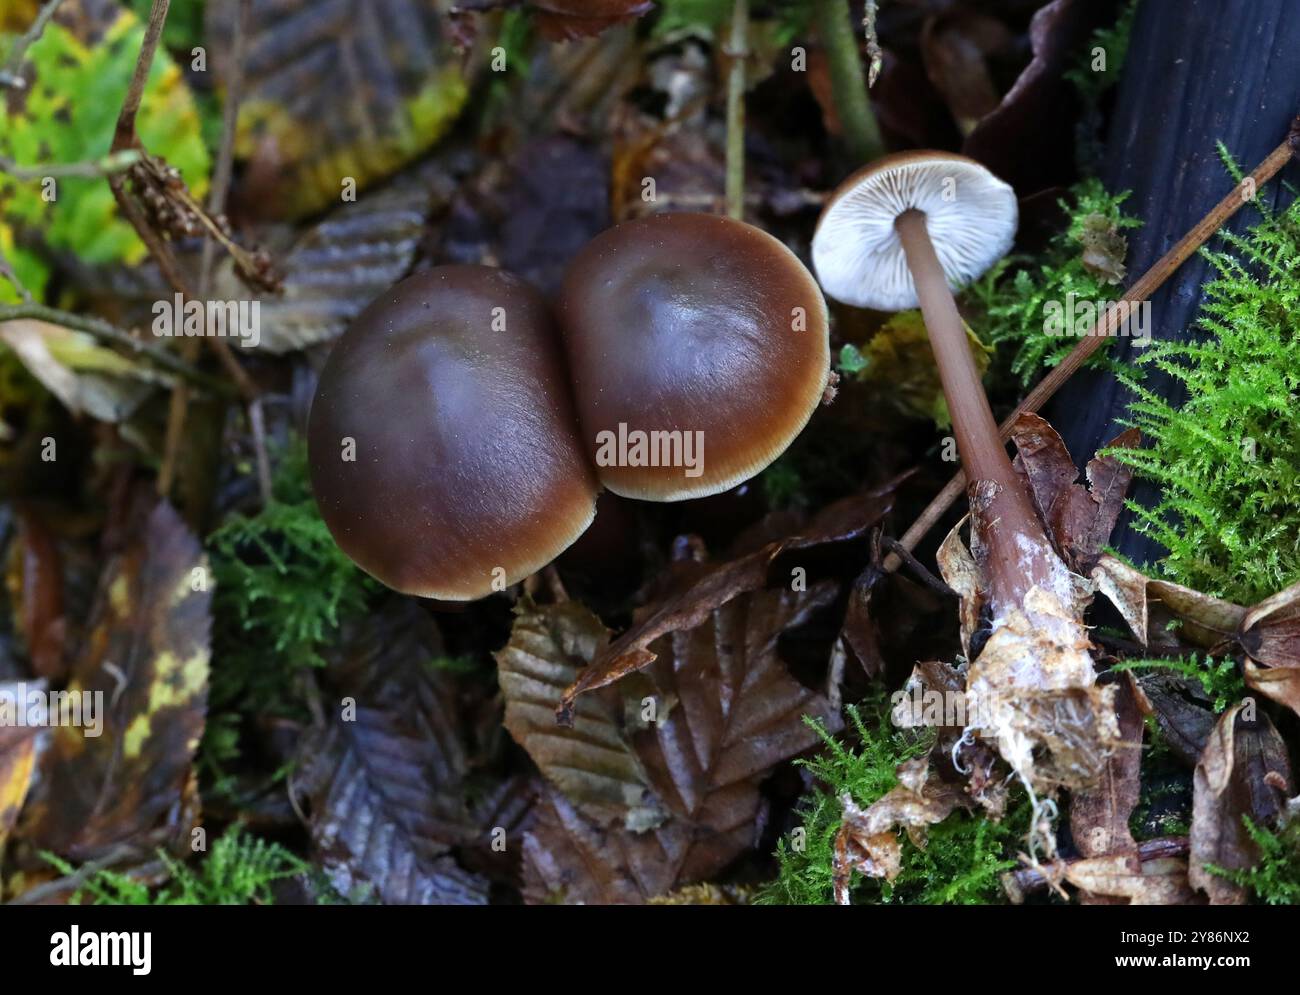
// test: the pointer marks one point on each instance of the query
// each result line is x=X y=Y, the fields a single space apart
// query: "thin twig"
x=7 y=272
x=12 y=74
x=1105 y=328
x=106 y=332
x=737 y=51
x=875 y=58
x=124 y=136
x=179 y=402
x=114 y=162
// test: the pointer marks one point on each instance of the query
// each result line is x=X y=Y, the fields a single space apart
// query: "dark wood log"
x=1197 y=72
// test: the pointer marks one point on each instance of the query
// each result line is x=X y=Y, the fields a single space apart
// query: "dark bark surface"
x=1197 y=72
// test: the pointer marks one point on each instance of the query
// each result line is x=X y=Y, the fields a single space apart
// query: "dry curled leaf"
x=867 y=840
x=1151 y=882
x=1238 y=775
x=384 y=777
x=1270 y=635
x=1244 y=771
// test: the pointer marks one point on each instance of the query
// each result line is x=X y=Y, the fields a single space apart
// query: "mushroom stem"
x=1016 y=533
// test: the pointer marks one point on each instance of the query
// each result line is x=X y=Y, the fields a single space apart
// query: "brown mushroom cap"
x=691 y=323
x=468 y=465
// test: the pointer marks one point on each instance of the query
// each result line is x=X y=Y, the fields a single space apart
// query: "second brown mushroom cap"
x=457 y=445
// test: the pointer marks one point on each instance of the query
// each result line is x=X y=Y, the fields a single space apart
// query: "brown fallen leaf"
x=955 y=48
x=1270 y=635
x=1099 y=815
x=590 y=760
x=1238 y=775
x=1149 y=605
x=1151 y=882
x=336 y=91
x=1079 y=519
x=384 y=777
x=726 y=712
x=689 y=604
x=867 y=841
x=719 y=711
x=144 y=668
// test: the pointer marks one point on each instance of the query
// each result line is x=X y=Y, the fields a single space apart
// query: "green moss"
x=1220 y=679
x=1014 y=299
x=1275 y=880
x=240 y=870
x=963 y=858
x=283 y=590
x=1227 y=461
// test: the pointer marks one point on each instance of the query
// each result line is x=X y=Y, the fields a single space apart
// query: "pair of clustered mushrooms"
x=454 y=435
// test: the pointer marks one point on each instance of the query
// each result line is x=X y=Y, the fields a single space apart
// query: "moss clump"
x=1016 y=299
x=1275 y=880
x=1227 y=461
x=283 y=589
x=963 y=858
x=241 y=870
x=1220 y=679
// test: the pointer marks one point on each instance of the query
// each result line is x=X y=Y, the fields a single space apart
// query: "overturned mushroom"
x=905 y=231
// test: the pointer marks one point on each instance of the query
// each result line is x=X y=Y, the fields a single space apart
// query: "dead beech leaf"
x=571 y=860
x=1079 y=519
x=690 y=603
x=589 y=761
x=1148 y=605
x=1099 y=815
x=867 y=841
x=342 y=263
x=1238 y=775
x=145 y=667
x=1270 y=635
x=722 y=712
x=1152 y=882
x=384 y=777
x=727 y=712
x=337 y=91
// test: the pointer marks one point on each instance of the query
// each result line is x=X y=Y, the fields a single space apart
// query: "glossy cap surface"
x=467 y=467
x=695 y=342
